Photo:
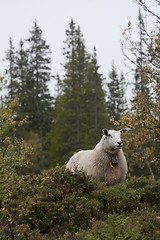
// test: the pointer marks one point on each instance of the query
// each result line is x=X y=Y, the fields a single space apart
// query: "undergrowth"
x=58 y=205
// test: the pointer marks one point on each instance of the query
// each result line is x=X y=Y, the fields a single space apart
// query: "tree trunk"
x=149 y=166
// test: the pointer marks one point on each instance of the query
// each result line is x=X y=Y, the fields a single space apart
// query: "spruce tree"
x=22 y=67
x=80 y=109
x=29 y=74
x=29 y=70
x=95 y=96
x=68 y=106
x=39 y=100
x=116 y=103
x=11 y=73
x=141 y=83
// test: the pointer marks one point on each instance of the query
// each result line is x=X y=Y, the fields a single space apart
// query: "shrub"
x=151 y=194
x=51 y=201
x=139 y=182
x=55 y=202
x=117 y=198
x=149 y=191
x=136 y=226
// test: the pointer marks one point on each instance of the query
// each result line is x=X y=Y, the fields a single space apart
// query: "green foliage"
x=116 y=103
x=11 y=72
x=117 y=200
x=2 y=82
x=142 y=145
x=143 y=142
x=14 y=153
x=80 y=107
x=141 y=84
x=136 y=226
x=56 y=204
x=37 y=96
x=151 y=194
x=138 y=182
x=28 y=73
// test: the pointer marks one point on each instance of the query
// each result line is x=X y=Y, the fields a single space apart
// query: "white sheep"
x=106 y=162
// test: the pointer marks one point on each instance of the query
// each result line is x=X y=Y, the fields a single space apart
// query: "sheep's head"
x=112 y=140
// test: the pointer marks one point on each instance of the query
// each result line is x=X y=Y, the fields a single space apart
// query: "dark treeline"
x=84 y=101
x=73 y=118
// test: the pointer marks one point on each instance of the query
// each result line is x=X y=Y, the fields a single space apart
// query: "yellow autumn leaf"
x=129 y=23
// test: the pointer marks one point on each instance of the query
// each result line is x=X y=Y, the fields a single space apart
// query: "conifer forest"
x=41 y=129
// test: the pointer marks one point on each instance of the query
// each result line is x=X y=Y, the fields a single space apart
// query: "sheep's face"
x=112 y=140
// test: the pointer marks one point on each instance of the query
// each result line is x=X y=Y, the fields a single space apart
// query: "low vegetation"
x=58 y=205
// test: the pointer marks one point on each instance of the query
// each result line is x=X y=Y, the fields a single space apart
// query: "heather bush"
x=57 y=204
x=138 y=183
x=140 y=225
x=117 y=198
x=151 y=194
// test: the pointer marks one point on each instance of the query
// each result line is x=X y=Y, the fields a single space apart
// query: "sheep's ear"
x=105 y=132
x=124 y=130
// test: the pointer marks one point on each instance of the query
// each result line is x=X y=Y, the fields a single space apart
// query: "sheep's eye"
x=109 y=135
